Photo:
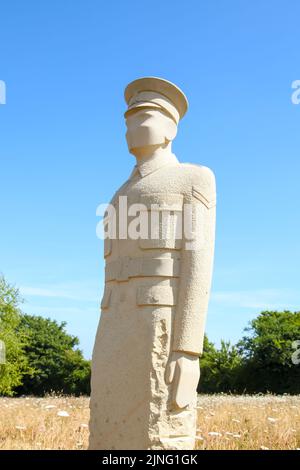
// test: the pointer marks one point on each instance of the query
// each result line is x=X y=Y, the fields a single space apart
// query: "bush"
x=220 y=368
x=16 y=365
x=267 y=351
x=57 y=365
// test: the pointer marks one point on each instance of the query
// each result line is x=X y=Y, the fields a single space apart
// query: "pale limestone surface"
x=145 y=365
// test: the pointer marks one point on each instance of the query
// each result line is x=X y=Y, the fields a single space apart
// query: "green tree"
x=16 y=363
x=220 y=368
x=57 y=364
x=267 y=352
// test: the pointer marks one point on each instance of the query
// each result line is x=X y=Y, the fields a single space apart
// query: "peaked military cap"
x=156 y=92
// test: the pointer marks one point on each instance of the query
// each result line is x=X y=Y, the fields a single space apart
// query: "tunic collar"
x=152 y=164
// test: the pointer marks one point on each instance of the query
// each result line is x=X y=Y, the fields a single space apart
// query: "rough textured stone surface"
x=145 y=364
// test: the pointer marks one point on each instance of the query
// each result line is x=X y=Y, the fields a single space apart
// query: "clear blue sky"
x=63 y=150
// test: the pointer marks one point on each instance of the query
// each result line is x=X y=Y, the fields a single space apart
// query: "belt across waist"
x=124 y=268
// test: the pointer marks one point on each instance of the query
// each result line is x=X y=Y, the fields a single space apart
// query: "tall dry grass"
x=224 y=422
x=248 y=422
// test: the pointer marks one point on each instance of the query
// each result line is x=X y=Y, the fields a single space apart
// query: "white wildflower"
x=63 y=414
x=272 y=420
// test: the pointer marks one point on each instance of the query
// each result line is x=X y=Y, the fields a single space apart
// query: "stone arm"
x=194 y=287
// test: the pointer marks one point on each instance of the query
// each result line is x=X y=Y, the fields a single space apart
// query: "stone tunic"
x=154 y=302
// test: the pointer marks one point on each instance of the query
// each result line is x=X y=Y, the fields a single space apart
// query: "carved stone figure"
x=145 y=365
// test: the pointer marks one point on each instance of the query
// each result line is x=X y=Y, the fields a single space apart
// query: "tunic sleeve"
x=196 y=263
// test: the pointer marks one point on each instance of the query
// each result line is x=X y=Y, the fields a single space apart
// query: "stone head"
x=155 y=107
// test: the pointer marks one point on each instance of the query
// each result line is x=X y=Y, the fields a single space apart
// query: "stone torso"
x=145 y=282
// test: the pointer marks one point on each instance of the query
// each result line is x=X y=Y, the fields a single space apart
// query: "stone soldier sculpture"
x=145 y=366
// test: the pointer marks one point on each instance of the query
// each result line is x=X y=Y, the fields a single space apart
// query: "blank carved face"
x=149 y=126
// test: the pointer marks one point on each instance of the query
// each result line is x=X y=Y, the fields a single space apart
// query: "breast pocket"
x=164 y=221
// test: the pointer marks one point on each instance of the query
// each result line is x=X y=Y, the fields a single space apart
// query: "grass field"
x=224 y=422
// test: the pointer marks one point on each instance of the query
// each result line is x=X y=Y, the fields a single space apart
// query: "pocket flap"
x=106 y=298
x=156 y=295
x=107 y=246
x=168 y=244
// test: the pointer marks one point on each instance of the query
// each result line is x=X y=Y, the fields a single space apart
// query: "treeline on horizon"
x=42 y=358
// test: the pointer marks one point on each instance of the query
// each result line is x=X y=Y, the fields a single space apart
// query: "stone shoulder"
x=198 y=178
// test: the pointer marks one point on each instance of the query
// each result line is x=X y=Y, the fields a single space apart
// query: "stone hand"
x=183 y=372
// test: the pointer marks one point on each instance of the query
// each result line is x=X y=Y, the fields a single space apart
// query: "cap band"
x=148 y=98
